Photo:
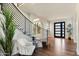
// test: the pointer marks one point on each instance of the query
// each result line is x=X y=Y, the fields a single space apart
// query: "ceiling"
x=49 y=10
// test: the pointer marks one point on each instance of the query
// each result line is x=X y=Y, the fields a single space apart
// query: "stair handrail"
x=25 y=16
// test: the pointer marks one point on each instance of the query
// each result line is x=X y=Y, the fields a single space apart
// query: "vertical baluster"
x=25 y=26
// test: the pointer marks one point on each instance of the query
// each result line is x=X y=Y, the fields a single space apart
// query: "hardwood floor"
x=57 y=47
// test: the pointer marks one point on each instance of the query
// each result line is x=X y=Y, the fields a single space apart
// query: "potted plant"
x=69 y=30
x=8 y=29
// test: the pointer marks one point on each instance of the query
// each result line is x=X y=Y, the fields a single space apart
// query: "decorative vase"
x=69 y=38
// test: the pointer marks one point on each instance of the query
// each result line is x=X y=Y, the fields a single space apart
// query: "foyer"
x=42 y=29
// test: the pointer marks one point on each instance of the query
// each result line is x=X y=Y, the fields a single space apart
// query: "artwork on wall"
x=34 y=30
x=69 y=31
x=38 y=29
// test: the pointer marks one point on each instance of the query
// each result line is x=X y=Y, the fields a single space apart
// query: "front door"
x=59 y=29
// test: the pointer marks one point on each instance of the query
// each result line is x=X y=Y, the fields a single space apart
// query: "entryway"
x=59 y=29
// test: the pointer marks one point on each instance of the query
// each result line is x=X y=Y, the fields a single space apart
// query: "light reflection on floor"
x=59 y=44
x=58 y=47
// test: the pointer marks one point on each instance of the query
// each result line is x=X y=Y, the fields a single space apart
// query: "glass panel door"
x=59 y=29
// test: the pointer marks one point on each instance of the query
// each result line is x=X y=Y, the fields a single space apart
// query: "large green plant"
x=8 y=29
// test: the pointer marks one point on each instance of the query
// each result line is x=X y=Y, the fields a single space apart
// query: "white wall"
x=77 y=28
x=54 y=11
x=45 y=24
x=67 y=20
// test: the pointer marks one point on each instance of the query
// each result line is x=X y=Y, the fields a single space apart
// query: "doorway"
x=59 y=29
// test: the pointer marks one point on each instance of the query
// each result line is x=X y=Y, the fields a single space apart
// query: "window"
x=59 y=29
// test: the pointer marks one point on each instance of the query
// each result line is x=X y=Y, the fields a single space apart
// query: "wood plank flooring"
x=57 y=47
